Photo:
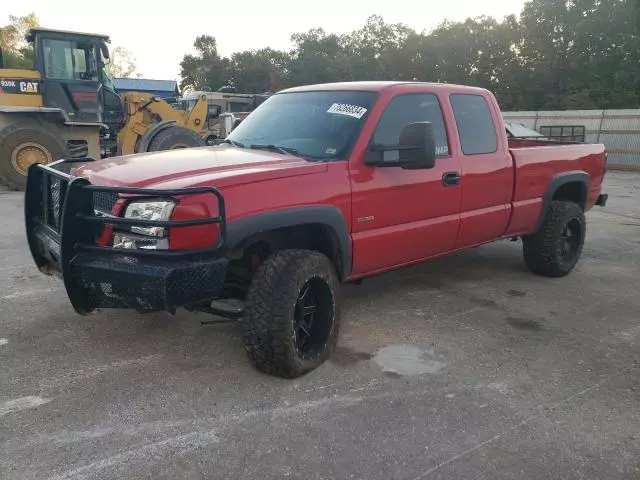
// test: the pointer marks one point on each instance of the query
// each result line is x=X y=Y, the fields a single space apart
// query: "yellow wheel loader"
x=151 y=124
x=67 y=107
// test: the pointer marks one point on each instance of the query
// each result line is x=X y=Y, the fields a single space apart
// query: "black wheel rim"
x=313 y=318
x=570 y=240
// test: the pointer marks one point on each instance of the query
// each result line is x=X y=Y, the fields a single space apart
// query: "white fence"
x=618 y=130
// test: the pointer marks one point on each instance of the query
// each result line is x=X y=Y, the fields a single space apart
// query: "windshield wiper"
x=275 y=148
x=234 y=143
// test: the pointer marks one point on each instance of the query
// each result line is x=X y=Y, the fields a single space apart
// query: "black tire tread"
x=539 y=249
x=8 y=175
x=267 y=324
x=174 y=134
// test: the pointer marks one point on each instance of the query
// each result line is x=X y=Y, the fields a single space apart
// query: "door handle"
x=451 y=179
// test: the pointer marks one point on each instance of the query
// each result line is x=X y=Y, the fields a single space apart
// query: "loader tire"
x=554 y=250
x=175 y=137
x=22 y=145
x=291 y=317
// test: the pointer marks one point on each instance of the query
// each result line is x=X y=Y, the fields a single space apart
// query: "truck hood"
x=217 y=166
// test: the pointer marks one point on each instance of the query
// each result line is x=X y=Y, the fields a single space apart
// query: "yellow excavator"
x=67 y=107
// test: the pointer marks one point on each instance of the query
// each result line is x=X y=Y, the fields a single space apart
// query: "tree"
x=16 y=51
x=479 y=51
x=560 y=54
x=206 y=68
x=318 y=58
x=378 y=51
x=122 y=64
x=581 y=53
x=258 y=71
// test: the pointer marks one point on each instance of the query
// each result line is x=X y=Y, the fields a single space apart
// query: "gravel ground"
x=466 y=367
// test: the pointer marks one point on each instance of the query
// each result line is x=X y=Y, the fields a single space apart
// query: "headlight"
x=149 y=238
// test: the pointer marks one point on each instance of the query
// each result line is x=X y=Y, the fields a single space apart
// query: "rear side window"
x=475 y=124
x=411 y=108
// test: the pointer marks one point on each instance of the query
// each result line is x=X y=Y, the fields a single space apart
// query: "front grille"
x=55 y=195
x=55 y=190
x=104 y=202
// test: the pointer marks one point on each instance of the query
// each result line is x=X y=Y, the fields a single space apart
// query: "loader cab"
x=74 y=70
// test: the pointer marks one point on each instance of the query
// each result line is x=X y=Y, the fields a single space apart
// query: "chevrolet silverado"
x=320 y=185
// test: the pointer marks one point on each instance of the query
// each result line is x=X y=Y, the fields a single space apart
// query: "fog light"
x=126 y=240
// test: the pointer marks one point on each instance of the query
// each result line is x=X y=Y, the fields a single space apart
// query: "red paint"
x=85 y=97
x=415 y=217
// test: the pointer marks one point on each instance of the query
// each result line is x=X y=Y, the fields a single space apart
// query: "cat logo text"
x=29 y=87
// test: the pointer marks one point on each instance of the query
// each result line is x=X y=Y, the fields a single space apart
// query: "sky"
x=159 y=36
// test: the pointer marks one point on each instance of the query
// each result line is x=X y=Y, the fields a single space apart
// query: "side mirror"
x=416 y=149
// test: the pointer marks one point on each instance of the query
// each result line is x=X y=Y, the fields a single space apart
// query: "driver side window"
x=411 y=108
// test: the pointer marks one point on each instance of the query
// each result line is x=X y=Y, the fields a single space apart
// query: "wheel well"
x=313 y=236
x=247 y=256
x=575 y=192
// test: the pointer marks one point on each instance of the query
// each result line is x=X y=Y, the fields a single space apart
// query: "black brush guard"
x=63 y=229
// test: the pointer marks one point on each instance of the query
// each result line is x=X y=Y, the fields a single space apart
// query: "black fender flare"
x=143 y=143
x=576 y=176
x=240 y=230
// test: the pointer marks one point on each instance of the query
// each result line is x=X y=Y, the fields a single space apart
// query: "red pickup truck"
x=320 y=185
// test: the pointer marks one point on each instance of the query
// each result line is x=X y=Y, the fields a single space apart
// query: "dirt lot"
x=467 y=367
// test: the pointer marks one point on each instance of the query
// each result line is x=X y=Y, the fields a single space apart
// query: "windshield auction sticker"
x=345 y=109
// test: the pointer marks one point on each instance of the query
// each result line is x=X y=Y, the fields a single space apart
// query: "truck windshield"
x=316 y=125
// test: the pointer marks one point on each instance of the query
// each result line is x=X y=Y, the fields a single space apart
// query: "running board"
x=227 y=308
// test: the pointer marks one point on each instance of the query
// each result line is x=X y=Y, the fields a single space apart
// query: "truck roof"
x=375 y=86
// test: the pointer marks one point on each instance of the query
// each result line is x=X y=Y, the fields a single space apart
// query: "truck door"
x=487 y=171
x=400 y=216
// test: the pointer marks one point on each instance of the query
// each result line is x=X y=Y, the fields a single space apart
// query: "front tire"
x=291 y=317
x=555 y=249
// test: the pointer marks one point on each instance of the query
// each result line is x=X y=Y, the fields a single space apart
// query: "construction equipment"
x=67 y=107
x=221 y=102
x=153 y=125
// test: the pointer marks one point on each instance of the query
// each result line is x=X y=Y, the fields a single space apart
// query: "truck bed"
x=536 y=163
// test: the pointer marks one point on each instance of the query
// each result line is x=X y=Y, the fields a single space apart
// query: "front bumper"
x=146 y=284
x=63 y=232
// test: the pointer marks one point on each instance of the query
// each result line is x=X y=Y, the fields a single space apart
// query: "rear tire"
x=24 y=144
x=291 y=317
x=175 y=137
x=555 y=249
